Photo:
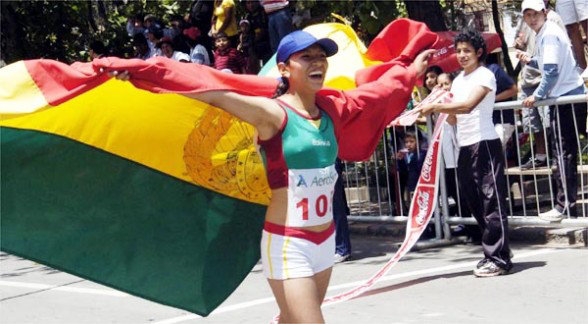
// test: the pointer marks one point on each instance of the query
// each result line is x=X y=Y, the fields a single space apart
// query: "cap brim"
x=331 y=48
x=536 y=8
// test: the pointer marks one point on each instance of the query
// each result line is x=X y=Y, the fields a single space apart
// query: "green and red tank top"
x=302 y=158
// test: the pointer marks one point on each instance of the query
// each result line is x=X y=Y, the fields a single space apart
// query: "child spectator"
x=450 y=149
x=246 y=38
x=227 y=58
x=410 y=161
x=167 y=49
x=431 y=75
x=480 y=163
x=444 y=81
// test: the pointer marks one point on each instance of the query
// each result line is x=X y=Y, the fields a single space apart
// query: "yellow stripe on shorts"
x=285 y=259
x=269 y=257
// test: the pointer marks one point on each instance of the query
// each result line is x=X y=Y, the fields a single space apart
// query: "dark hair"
x=220 y=35
x=139 y=39
x=474 y=38
x=166 y=40
x=434 y=68
x=157 y=32
x=98 y=47
x=409 y=133
x=282 y=87
x=451 y=76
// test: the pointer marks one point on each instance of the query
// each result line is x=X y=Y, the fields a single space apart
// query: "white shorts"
x=285 y=256
x=572 y=11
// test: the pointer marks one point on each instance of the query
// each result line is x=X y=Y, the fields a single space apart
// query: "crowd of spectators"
x=209 y=34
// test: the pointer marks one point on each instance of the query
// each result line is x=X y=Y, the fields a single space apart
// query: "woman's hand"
x=421 y=62
x=120 y=75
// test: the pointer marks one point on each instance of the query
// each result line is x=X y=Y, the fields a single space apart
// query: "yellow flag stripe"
x=176 y=135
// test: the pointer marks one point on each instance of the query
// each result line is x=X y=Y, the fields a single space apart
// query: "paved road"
x=549 y=284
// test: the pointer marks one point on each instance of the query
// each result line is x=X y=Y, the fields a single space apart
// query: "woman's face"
x=431 y=79
x=467 y=57
x=308 y=68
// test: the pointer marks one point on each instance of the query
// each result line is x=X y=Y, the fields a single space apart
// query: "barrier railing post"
x=541 y=178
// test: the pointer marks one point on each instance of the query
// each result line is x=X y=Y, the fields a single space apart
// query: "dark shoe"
x=489 y=269
x=460 y=230
x=482 y=263
x=536 y=163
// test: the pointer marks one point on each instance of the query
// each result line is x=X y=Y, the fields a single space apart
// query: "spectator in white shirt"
x=480 y=165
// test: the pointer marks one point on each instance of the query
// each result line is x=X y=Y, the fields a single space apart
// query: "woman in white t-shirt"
x=480 y=164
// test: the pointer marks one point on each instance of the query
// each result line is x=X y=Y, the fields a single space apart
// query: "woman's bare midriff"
x=278 y=208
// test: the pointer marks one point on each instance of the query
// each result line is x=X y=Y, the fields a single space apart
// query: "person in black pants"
x=480 y=165
x=340 y=212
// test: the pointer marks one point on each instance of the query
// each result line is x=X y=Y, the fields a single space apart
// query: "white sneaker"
x=341 y=258
x=553 y=215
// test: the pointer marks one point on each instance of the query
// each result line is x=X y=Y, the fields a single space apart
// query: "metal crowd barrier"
x=374 y=188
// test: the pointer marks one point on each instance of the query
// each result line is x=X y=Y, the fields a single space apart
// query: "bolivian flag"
x=139 y=188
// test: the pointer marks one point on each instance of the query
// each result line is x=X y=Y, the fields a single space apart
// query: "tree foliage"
x=62 y=30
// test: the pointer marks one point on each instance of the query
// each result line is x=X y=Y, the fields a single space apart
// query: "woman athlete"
x=298 y=144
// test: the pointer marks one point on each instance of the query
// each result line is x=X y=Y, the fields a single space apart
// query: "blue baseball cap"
x=300 y=40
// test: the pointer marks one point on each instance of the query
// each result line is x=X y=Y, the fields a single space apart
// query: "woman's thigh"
x=299 y=299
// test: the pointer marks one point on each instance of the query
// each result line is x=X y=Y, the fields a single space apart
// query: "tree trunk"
x=12 y=36
x=429 y=12
x=91 y=20
x=496 y=18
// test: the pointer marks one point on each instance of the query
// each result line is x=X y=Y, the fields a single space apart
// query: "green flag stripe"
x=116 y=222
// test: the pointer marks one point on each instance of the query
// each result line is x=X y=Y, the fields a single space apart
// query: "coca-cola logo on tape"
x=427 y=166
x=423 y=204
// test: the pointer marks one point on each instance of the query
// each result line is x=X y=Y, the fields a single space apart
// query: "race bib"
x=310 y=196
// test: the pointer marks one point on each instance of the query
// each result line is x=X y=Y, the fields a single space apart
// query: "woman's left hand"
x=119 y=75
x=421 y=62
